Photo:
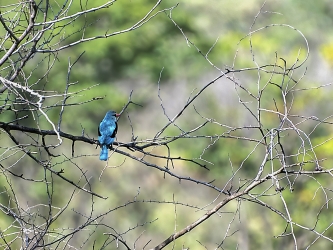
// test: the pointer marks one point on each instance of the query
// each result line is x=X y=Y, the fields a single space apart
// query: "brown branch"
x=187 y=229
x=226 y=200
x=9 y=127
x=33 y=10
x=57 y=173
x=8 y=29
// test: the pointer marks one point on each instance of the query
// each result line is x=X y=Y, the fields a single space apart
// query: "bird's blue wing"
x=107 y=131
x=115 y=131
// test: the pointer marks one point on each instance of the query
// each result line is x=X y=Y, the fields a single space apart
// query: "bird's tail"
x=103 y=156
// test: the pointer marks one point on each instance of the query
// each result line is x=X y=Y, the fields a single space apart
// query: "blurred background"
x=158 y=52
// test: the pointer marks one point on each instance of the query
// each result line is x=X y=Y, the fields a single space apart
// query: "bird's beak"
x=117 y=115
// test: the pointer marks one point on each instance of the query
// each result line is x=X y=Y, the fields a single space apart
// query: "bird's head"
x=112 y=114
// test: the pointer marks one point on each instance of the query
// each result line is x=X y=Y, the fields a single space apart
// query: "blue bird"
x=107 y=131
